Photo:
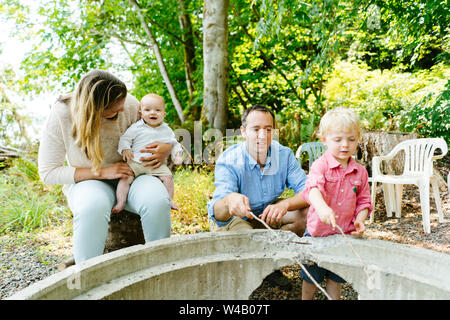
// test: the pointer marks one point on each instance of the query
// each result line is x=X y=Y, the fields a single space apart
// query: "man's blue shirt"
x=237 y=171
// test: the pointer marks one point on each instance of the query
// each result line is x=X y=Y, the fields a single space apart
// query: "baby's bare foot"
x=118 y=207
x=173 y=206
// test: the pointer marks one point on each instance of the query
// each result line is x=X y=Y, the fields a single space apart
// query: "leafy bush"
x=193 y=189
x=392 y=101
x=429 y=117
x=26 y=203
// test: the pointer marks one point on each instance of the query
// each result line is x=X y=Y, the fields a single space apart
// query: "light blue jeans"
x=91 y=202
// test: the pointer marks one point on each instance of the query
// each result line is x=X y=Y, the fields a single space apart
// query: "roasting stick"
x=356 y=254
x=301 y=265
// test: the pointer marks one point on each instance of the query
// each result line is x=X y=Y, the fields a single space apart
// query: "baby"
x=149 y=129
x=338 y=192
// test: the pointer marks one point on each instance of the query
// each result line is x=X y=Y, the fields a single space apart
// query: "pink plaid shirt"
x=346 y=191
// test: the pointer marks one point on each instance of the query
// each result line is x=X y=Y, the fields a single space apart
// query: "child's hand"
x=360 y=228
x=359 y=223
x=127 y=155
x=327 y=216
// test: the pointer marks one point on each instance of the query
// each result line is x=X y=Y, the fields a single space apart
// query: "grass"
x=193 y=189
x=26 y=203
x=36 y=215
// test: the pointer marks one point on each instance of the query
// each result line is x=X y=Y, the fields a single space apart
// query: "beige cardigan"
x=58 y=145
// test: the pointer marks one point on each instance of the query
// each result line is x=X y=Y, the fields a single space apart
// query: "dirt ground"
x=408 y=229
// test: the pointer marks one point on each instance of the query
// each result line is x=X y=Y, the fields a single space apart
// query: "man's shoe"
x=278 y=279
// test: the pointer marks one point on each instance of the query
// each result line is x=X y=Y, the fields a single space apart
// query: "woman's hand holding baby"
x=159 y=153
x=127 y=155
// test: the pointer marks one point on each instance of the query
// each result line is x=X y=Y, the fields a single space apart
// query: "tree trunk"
x=215 y=56
x=188 y=47
x=159 y=58
x=377 y=143
x=125 y=230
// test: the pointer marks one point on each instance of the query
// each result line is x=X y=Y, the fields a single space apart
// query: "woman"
x=84 y=128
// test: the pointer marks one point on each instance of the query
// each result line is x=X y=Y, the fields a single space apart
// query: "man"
x=251 y=175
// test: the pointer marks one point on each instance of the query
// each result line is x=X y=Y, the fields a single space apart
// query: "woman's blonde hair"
x=97 y=91
x=339 y=119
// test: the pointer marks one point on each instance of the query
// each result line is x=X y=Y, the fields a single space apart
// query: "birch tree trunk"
x=159 y=58
x=215 y=57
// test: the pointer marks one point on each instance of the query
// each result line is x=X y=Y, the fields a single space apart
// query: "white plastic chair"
x=314 y=149
x=418 y=170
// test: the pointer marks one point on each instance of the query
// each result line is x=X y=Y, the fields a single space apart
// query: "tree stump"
x=125 y=230
x=7 y=153
x=377 y=143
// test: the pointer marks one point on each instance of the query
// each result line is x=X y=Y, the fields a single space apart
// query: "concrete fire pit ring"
x=231 y=265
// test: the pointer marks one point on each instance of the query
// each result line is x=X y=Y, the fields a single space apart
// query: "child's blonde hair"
x=339 y=119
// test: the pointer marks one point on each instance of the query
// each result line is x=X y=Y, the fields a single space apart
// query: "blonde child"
x=338 y=192
x=149 y=129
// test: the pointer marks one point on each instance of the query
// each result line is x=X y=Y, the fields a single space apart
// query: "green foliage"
x=281 y=51
x=67 y=50
x=413 y=32
x=392 y=100
x=12 y=124
x=26 y=203
x=296 y=129
x=193 y=190
x=80 y=35
x=282 y=54
x=429 y=117
x=281 y=59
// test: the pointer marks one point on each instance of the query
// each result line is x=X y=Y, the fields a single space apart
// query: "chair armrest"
x=437 y=157
x=298 y=153
x=391 y=154
x=376 y=161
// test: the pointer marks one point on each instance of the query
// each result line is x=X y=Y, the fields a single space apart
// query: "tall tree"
x=161 y=64
x=215 y=59
x=187 y=37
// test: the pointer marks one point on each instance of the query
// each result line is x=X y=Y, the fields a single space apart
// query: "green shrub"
x=389 y=100
x=193 y=189
x=27 y=204
x=429 y=117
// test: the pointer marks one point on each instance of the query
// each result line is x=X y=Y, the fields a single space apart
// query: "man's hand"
x=273 y=213
x=127 y=155
x=238 y=205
